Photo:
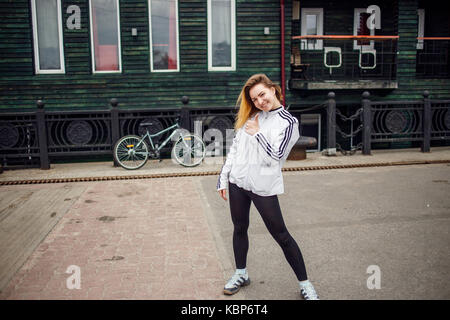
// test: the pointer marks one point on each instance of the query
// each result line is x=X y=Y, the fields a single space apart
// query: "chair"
x=297 y=67
x=328 y=50
x=368 y=51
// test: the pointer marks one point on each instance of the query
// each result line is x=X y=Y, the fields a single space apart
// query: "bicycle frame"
x=150 y=136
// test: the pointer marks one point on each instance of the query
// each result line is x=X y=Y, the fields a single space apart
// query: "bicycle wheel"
x=129 y=154
x=189 y=150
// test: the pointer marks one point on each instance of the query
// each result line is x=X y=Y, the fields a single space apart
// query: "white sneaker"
x=308 y=292
x=235 y=283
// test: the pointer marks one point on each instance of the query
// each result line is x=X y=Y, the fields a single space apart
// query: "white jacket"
x=254 y=162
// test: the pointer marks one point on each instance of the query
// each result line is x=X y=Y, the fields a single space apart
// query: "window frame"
x=356 y=14
x=420 y=28
x=37 y=68
x=119 y=45
x=318 y=45
x=151 y=39
x=233 y=38
x=296 y=10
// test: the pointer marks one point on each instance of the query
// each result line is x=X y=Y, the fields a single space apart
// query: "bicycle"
x=132 y=152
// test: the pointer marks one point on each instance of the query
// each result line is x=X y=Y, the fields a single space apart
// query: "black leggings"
x=269 y=209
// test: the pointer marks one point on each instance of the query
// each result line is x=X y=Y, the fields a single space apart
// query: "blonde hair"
x=246 y=107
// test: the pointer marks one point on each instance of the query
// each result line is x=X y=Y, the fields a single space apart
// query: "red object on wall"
x=106 y=58
x=172 y=63
x=283 y=76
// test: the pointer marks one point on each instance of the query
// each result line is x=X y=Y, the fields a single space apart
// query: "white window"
x=420 y=27
x=163 y=17
x=221 y=35
x=360 y=28
x=312 y=25
x=47 y=34
x=105 y=36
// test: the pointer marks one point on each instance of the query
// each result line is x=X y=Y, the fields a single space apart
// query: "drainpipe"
x=283 y=76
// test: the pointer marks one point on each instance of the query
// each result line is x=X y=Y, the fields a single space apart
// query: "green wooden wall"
x=136 y=86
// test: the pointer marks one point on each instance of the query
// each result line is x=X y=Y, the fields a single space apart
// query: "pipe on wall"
x=283 y=75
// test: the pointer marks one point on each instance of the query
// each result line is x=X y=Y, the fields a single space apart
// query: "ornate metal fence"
x=397 y=121
x=19 y=141
x=33 y=138
x=440 y=120
x=391 y=121
x=78 y=133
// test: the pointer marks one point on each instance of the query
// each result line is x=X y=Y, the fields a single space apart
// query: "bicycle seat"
x=145 y=124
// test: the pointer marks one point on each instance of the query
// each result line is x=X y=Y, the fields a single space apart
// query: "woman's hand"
x=252 y=126
x=223 y=194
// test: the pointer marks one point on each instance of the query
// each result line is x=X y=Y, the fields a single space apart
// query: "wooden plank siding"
x=137 y=86
x=16 y=51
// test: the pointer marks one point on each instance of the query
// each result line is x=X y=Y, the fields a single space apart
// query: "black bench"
x=298 y=151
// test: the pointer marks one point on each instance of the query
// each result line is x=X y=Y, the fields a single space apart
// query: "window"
x=163 y=35
x=47 y=34
x=105 y=39
x=360 y=29
x=312 y=25
x=420 y=27
x=221 y=35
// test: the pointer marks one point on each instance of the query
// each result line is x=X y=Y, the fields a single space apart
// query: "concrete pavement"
x=129 y=240
x=348 y=222
x=167 y=166
x=171 y=238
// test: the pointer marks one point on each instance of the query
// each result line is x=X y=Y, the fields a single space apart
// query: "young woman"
x=265 y=134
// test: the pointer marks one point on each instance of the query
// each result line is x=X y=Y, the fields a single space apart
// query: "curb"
x=212 y=173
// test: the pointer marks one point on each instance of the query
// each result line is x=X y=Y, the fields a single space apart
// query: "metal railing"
x=433 y=58
x=19 y=138
x=34 y=138
x=340 y=57
x=391 y=121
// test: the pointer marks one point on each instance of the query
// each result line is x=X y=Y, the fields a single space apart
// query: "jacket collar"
x=277 y=109
x=272 y=112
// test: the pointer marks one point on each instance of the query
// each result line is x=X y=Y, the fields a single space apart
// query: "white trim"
x=356 y=13
x=36 y=41
x=295 y=10
x=151 y=40
x=233 y=39
x=119 y=46
x=318 y=44
x=420 y=27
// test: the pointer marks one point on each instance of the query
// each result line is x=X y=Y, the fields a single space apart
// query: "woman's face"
x=263 y=98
